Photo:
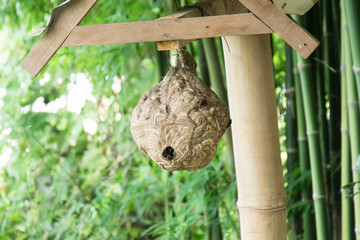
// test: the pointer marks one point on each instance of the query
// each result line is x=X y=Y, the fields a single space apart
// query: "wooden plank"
x=294 y=6
x=72 y=13
x=172 y=44
x=187 y=12
x=166 y=29
x=292 y=33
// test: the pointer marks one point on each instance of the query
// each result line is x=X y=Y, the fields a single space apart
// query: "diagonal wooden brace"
x=292 y=33
x=72 y=13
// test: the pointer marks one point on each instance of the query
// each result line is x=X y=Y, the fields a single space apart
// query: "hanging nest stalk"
x=179 y=122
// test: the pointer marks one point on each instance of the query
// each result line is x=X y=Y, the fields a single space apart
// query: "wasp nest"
x=179 y=122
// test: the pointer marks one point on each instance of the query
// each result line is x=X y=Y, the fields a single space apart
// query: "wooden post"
x=251 y=91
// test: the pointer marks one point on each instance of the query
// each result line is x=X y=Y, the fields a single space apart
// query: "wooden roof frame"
x=170 y=32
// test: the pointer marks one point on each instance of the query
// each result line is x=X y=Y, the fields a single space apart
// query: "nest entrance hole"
x=168 y=153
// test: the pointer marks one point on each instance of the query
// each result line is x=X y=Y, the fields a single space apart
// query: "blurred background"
x=69 y=168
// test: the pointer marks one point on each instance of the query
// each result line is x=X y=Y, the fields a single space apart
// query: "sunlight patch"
x=90 y=126
x=79 y=91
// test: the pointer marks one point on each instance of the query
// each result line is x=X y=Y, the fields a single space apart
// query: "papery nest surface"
x=179 y=122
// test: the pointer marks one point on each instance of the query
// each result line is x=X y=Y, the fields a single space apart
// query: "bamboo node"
x=356 y=69
x=346 y=190
x=344 y=129
x=316 y=197
x=275 y=207
x=355 y=168
x=353 y=103
x=303 y=65
x=291 y=150
x=342 y=68
x=300 y=139
x=290 y=90
x=307 y=201
x=312 y=132
x=295 y=70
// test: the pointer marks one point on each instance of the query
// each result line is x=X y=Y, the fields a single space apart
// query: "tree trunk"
x=251 y=91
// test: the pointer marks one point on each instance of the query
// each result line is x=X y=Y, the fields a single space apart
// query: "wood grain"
x=292 y=33
x=177 y=44
x=56 y=34
x=294 y=6
x=172 y=44
x=166 y=29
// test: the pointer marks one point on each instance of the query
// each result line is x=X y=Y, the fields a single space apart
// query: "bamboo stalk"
x=291 y=137
x=291 y=131
x=347 y=214
x=333 y=77
x=320 y=89
x=312 y=20
x=307 y=216
x=162 y=59
x=312 y=131
x=204 y=72
x=212 y=57
x=352 y=8
x=216 y=80
x=354 y=116
x=214 y=227
x=215 y=232
x=335 y=16
x=251 y=91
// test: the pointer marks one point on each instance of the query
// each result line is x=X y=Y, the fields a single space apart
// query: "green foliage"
x=280 y=89
x=64 y=181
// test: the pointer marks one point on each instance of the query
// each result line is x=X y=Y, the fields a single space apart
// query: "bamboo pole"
x=333 y=81
x=216 y=80
x=352 y=8
x=204 y=71
x=214 y=226
x=251 y=91
x=214 y=230
x=291 y=131
x=312 y=131
x=347 y=214
x=304 y=162
x=354 y=116
x=292 y=150
x=212 y=59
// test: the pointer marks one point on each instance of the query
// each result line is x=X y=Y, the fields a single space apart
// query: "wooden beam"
x=294 y=6
x=292 y=33
x=72 y=13
x=177 y=44
x=172 y=44
x=166 y=29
